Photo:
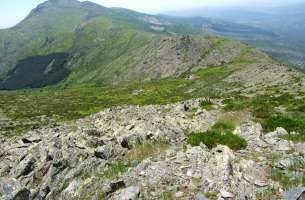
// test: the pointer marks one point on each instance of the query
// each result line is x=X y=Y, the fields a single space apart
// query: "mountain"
x=67 y=42
x=286 y=20
x=135 y=106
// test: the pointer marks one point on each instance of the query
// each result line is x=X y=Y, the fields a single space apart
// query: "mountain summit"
x=64 y=2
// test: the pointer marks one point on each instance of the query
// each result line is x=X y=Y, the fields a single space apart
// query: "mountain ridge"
x=119 y=105
x=80 y=29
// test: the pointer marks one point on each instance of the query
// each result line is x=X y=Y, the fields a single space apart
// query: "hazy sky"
x=13 y=11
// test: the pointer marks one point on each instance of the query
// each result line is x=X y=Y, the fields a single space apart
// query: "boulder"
x=281 y=132
x=254 y=173
x=226 y=195
x=132 y=140
x=33 y=139
x=200 y=196
x=296 y=193
x=103 y=152
x=114 y=186
x=283 y=145
x=284 y=163
x=12 y=189
x=25 y=167
x=179 y=194
x=300 y=148
x=222 y=162
x=130 y=193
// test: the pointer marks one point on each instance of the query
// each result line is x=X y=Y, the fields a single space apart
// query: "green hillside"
x=105 y=45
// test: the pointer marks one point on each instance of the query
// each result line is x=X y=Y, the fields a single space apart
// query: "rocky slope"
x=135 y=152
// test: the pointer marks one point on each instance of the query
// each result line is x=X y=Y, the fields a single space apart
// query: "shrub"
x=220 y=133
x=213 y=138
x=296 y=123
x=296 y=137
x=224 y=125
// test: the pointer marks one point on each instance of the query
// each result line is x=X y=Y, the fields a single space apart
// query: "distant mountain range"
x=287 y=21
x=67 y=42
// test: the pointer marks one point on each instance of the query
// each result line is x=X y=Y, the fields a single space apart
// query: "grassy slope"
x=30 y=36
x=99 y=40
x=28 y=108
x=106 y=47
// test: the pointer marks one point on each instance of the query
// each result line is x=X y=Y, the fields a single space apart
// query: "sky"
x=13 y=11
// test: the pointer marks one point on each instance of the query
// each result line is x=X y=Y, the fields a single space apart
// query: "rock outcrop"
x=76 y=161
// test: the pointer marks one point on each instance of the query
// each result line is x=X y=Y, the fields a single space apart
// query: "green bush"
x=224 y=125
x=220 y=133
x=296 y=137
x=296 y=123
x=213 y=138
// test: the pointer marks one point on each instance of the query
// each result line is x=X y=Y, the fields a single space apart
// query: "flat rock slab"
x=297 y=193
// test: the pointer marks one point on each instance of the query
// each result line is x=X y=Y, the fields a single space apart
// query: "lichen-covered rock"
x=130 y=193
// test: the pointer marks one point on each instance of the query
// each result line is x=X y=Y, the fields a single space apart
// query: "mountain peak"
x=64 y=2
x=53 y=3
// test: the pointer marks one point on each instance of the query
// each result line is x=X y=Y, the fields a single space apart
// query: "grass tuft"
x=146 y=150
x=207 y=104
x=115 y=169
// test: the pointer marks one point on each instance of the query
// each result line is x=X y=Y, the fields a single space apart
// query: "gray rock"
x=130 y=193
x=23 y=194
x=12 y=189
x=3 y=150
x=103 y=152
x=300 y=148
x=285 y=163
x=61 y=158
x=200 y=196
x=222 y=162
x=283 y=145
x=33 y=139
x=199 y=112
x=132 y=140
x=25 y=167
x=179 y=194
x=225 y=194
x=271 y=135
x=297 y=193
x=130 y=127
x=281 y=131
x=114 y=186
